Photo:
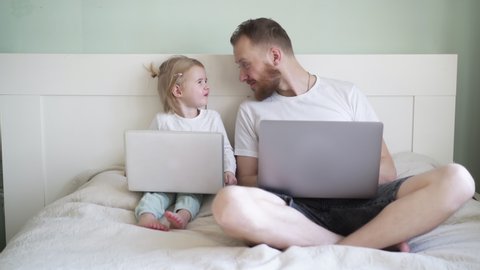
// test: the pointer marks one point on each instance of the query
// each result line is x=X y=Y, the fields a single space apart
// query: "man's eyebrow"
x=239 y=61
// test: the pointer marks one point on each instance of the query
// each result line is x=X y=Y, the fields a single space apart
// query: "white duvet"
x=93 y=228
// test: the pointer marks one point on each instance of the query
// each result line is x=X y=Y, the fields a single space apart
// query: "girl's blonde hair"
x=170 y=73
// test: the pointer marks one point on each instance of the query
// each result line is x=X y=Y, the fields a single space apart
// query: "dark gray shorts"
x=344 y=216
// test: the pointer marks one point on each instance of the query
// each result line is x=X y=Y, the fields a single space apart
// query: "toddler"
x=183 y=88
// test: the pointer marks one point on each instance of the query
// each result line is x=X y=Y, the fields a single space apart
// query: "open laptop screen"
x=320 y=159
x=174 y=161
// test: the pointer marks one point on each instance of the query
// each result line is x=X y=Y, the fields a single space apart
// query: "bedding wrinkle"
x=94 y=228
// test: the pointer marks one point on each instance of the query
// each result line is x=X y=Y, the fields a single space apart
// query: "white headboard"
x=63 y=114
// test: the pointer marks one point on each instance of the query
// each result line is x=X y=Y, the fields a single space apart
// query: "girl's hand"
x=230 y=178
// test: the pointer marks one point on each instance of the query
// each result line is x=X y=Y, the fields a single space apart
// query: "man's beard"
x=267 y=84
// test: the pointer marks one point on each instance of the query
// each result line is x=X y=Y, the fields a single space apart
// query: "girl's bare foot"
x=178 y=220
x=148 y=220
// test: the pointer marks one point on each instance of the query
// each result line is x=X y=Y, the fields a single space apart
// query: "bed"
x=67 y=204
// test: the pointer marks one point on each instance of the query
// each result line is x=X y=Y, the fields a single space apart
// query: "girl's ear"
x=176 y=91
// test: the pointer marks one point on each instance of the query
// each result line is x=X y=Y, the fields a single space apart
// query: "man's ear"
x=276 y=55
x=176 y=91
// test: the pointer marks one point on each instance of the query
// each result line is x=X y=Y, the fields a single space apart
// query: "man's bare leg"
x=423 y=202
x=258 y=216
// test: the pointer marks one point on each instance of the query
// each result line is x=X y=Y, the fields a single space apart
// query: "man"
x=284 y=90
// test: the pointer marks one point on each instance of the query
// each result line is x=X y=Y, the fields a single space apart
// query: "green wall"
x=315 y=26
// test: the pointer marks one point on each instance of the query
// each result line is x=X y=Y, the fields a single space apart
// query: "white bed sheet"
x=93 y=228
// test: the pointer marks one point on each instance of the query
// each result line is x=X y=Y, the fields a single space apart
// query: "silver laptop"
x=320 y=159
x=172 y=161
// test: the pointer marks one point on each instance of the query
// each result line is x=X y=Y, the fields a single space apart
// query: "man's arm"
x=247 y=170
x=388 y=172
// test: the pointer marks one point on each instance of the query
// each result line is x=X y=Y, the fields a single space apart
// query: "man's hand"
x=388 y=172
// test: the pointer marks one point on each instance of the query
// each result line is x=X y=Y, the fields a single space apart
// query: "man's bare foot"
x=148 y=220
x=401 y=247
x=178 y=220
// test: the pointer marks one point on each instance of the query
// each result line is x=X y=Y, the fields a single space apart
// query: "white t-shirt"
x=207 y=120
x=327 y=100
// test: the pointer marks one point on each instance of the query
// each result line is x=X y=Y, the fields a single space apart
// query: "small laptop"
x=320 y=159
x=173 y=161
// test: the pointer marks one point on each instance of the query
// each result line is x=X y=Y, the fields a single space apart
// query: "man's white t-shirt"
x=206 y=121
x=327 y=100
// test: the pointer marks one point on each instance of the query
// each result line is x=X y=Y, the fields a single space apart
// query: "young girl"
x=183 y=88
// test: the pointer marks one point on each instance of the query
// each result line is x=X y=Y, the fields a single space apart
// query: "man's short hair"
x=263 y=31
